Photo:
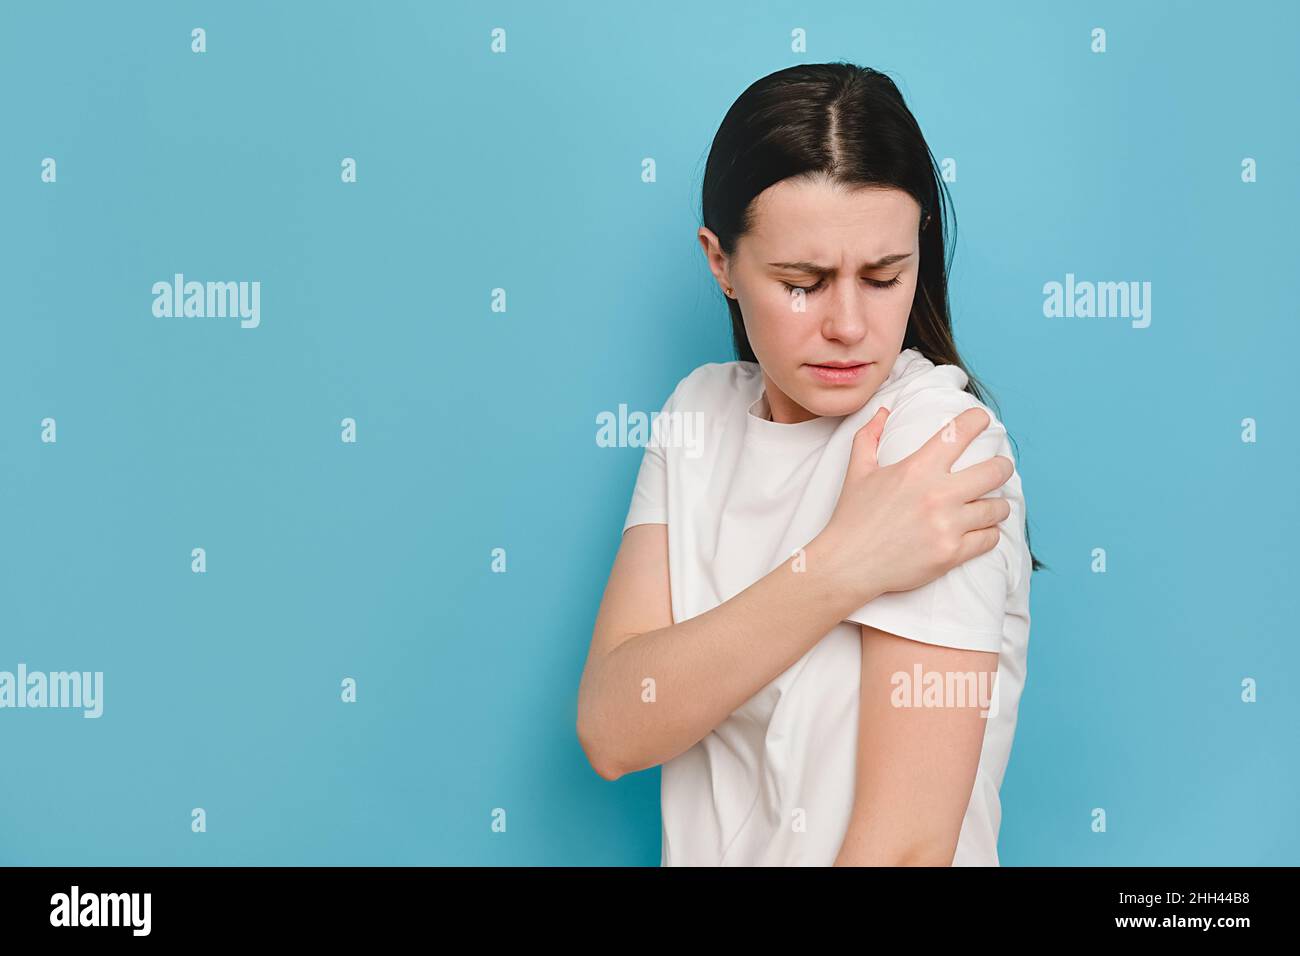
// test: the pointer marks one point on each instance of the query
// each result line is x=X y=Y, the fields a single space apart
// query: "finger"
x=945 y=446
x=983 y=513
x=981 y=478
x=866 y=443
x=975 y=543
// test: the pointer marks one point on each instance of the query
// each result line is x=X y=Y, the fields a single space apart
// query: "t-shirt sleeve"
x=965 y=607
x=650 y=494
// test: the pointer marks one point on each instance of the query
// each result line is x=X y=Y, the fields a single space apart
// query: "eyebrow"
x=815 y=269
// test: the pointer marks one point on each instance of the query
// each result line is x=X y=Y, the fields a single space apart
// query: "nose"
x=846 y=318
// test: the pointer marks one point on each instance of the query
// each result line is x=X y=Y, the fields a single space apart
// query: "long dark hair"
x=848 y=123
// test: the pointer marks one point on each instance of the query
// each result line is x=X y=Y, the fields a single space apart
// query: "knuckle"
x=943 y=529
x=976 y=418
x=930 y=501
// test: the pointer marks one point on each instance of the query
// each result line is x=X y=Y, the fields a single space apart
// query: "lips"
x=837 y=373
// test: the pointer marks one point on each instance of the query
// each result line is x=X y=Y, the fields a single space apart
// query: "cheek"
x=773 y=322
x=898 y=302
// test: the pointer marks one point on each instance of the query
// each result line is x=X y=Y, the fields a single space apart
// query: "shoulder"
x=716 y=383
x=916 y=384
x=922 y=398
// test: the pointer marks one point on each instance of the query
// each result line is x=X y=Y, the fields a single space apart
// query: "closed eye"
x=875 y=283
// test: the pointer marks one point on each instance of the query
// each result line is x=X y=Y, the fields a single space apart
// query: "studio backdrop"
x=316 y=315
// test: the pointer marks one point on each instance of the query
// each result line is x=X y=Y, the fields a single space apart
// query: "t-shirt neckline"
x=761 y=430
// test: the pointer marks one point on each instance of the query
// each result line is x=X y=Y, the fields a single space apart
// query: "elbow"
x=600 y=760
x=932 y=855
x=868 y=851
x=896 y=860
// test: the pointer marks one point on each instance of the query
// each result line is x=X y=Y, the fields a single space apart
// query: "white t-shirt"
x=773 y=784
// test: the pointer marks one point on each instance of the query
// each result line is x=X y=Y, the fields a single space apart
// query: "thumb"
x=867 y=441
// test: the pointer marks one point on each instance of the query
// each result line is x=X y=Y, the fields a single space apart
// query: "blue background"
x=476 y=429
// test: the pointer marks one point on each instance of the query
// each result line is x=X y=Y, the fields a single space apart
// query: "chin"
x=846 y=403
x=836 y=403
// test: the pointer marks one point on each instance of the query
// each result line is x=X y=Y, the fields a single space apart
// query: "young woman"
x=817 y=619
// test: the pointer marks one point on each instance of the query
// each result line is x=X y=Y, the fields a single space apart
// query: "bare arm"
x=916 y=765
x=702 y=669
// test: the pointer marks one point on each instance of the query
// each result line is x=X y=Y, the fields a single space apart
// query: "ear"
x=713 y=254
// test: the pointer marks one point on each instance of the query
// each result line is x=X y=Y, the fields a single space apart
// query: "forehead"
x=801 y=219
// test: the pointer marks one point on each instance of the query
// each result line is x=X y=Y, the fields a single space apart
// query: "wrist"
x=851 y=583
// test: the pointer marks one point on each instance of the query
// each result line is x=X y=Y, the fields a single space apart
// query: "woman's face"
x=855 y=254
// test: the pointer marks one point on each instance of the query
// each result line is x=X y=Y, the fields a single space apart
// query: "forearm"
x=706 y=667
